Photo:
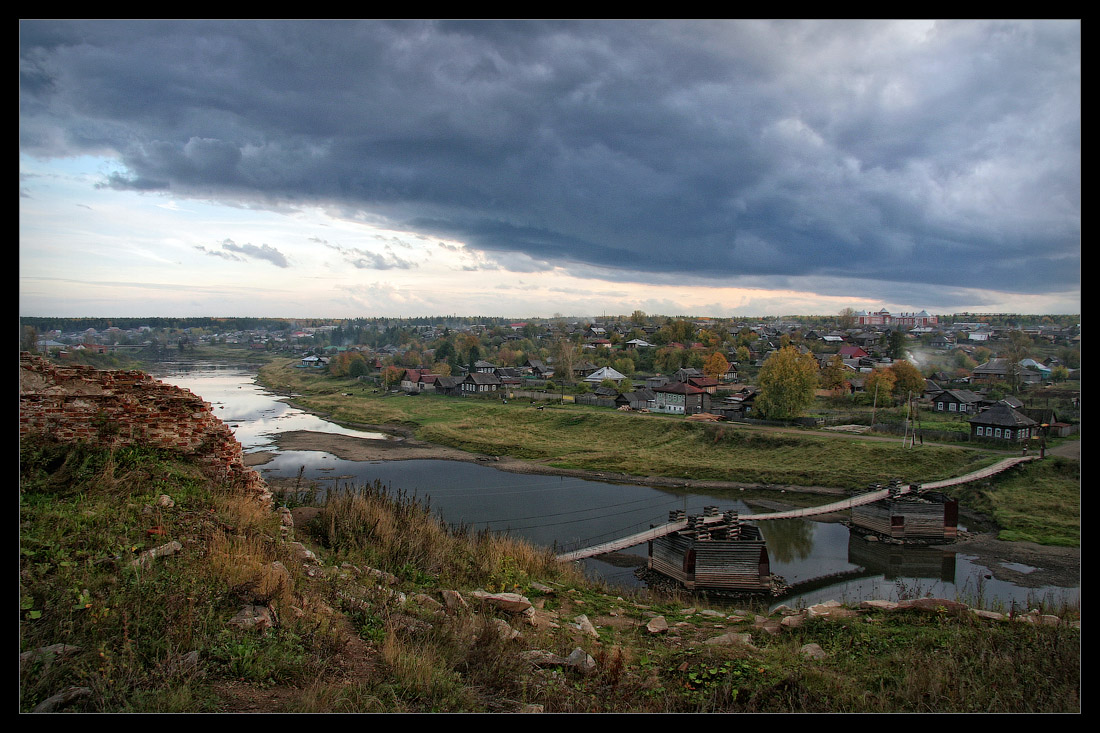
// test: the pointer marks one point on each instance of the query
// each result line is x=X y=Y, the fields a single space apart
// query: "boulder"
x=657 y=625
x=812 y=651
x=509 y=602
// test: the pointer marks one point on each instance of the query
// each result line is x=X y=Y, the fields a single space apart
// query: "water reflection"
x=821 y=559
x=788 y=539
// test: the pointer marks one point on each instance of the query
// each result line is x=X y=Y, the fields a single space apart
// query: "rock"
x=387 y=578
x=784 y=610
x=509 y=602
x=934 y=605
x=165 y=501
x=876 y=605
x=582 y=624
x=792 y=622
x=542 y=588
x=253 y=617
x=285 y=517
x=657 y=625
x=687 y=611
x=708 y=612
x=427 y=603
x=812 y=651
x=302 y=553
x=503 y=630
x=47 y=654
x=731 y=639
x=454 y=600
x=830 y=611
x=531 y=708
x=62 y=699
x=580 y=660
x=146 y=558
x=988 y=615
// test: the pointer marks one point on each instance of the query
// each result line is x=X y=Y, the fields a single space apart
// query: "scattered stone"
x=47 y=654
x=785 y=610
x=830 y=609
x=876 y=605
x=812 y=651
x=988 y=615
x=302 y=553
x=387 y=578
x=253 y=617
x=454 y=600
x=504 y=630
x=687 y=611
x=708 y=612
x=165 y=501
x=286 y=519
x=531 y=708
x=582 y=624
x=146 y=558
x=580 y=660
x=731 y=639
x=657 y=625
x=509 y=602
x=542 y=588
x=934 y=605
x=792 y=622
x=62 y=699
x=427 y=603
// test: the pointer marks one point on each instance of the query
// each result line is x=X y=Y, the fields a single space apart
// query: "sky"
x=529 y=169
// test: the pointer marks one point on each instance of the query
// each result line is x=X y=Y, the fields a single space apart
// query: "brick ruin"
x=114 y=407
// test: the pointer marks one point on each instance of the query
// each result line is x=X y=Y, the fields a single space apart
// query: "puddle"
x=1018 y=567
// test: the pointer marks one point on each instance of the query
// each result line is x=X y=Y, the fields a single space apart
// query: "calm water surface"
x=821 y=559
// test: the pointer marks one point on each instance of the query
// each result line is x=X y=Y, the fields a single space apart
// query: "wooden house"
x=931 y=517
x=1003 y=422
x=722 y=555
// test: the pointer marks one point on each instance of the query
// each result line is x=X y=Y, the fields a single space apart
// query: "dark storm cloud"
x=945 y=155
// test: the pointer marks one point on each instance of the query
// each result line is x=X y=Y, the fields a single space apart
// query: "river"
x=820 y=558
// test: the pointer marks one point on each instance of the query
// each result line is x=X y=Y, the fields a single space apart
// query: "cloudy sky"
x=346 y=169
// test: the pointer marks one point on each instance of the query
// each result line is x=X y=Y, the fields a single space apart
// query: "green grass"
x=84 y=516
x=1039 y=501
x=574 y=436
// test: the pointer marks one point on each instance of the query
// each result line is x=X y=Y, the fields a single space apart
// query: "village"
x=965 y=377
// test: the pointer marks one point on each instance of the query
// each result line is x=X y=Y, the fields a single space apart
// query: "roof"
x=1002 y=415
x=679 y=388
x=604 y=373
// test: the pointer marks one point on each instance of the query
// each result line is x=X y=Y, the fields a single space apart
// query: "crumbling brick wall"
x=114 y=407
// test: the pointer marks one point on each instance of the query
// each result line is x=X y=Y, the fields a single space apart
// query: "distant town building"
x=885 y=318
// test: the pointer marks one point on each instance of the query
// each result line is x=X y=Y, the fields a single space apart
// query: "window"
x=939 y=407
x=997 y=433
x=1008 y=433
x=951 y=407
x=980 y=431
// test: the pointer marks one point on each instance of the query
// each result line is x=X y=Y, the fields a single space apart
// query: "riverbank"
x=405 y=448
x=1025 y=564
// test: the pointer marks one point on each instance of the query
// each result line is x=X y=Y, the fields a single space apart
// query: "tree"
x=895 y=344
x=1059 y=373
x=907 y=378
x=880 y=385
x=391 y=375
x=847 y=318
x=716 y=366
x=832 y=376
x=787 y=382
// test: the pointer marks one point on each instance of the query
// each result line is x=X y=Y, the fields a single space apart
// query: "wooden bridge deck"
x=836 y=506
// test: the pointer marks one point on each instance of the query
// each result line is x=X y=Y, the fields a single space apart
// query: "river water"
x=819 y=558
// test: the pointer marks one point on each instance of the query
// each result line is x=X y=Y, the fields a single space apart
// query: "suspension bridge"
x=836 y=506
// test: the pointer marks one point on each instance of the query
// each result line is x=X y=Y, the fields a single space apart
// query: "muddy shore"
x=1023 y=563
